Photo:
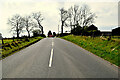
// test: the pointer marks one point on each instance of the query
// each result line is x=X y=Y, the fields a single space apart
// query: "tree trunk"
x=42 y=30
x=17 y=31
x=71 y=26
x=28 y=33
x=2 y=41
x=40 y=26
x=17 y=34
x=62 y=27
x=13 y=38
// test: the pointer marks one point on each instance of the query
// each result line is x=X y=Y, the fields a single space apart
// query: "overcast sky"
x=107 y=12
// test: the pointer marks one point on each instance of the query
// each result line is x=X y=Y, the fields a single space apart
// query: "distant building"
x=92 y=27
x=116 y=31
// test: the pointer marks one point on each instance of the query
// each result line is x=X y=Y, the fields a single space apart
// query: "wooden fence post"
x=2 y=41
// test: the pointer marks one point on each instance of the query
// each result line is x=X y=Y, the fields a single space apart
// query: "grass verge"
x=108 y=50
x=13 y=47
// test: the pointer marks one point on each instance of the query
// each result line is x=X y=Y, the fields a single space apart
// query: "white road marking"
x=51 y=56
x=52 y=43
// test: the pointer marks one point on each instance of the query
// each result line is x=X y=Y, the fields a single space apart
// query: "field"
x=9 y=47
x=105 y=49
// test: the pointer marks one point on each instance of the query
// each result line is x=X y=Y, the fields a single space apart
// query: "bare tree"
x=38 y=17
x=16 y=23
x=64 y=16
x=87 y=16
x=36 y=32
x=70 y=12
x=29 y=24
x=80 y=16
x=75 y=14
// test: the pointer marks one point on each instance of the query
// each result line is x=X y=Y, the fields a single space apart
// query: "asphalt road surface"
x=56 y=58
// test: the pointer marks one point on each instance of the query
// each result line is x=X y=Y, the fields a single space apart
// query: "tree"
x=70 y=13
x=36 y=32
x=54 y=34
x=17 y=24
x=87 y=16
x=75 y=15
x=29 y=24
x=0 y=36
x=64 y=16
x=49 y=33
x=77 y=30
x=80 y=16
x=38 y=17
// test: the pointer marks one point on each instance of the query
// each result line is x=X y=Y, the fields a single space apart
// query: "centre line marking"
x=52 y=43
x=51 y=56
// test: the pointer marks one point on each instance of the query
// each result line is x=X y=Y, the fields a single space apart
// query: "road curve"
x=56 y=58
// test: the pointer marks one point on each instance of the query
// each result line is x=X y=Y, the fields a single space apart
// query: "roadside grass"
x=108 y=50
x=8 y=40
x=115 y=38
x=16 y=46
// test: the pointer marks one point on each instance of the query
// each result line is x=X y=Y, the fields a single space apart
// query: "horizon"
x=64 y=31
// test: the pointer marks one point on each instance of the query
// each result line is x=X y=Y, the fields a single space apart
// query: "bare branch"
x=16 y=23
x=38 y=17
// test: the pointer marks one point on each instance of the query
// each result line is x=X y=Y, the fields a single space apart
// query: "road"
x=56 y=58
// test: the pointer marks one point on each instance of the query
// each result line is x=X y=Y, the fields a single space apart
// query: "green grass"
x=107 y=50
x=7 y=41
x=8 y=51
x=115 y=38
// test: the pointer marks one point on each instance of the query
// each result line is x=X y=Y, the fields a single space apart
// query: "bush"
x=43 y=35
x=63 y=34
x=26 y=39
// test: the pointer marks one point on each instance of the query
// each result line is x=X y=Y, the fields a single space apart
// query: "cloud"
x=106 y=12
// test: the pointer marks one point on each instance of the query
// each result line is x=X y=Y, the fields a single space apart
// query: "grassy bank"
x=105 y=49
x=11 y=47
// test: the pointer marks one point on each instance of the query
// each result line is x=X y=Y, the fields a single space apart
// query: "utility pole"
x=58 y=29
